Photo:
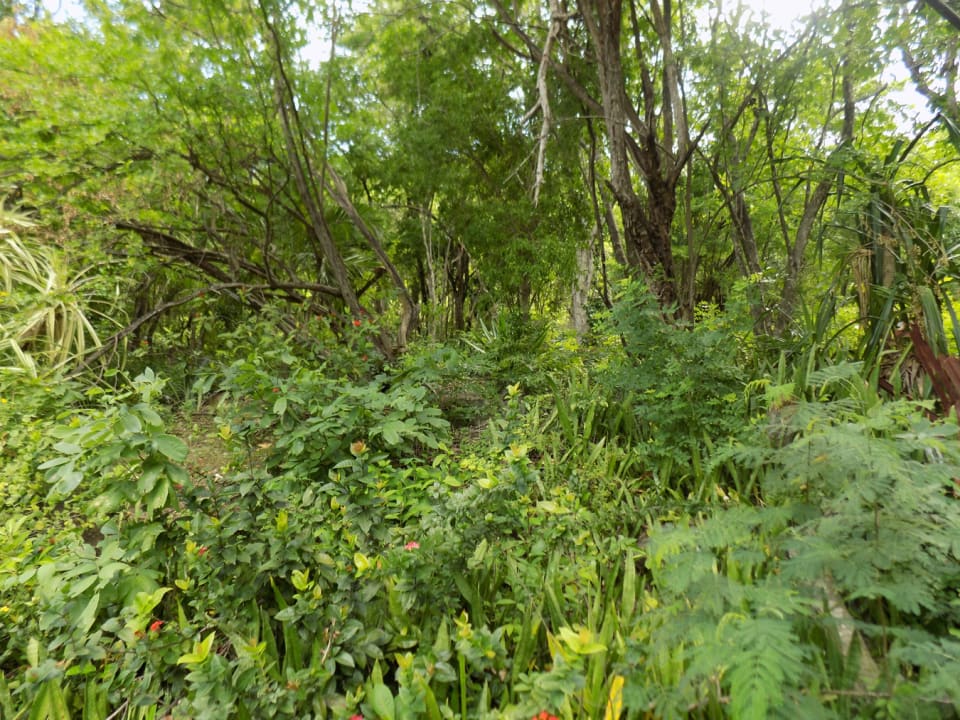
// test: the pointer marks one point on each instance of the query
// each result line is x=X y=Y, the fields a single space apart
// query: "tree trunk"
x=646 y=225
x=410 y=311
x=581 y=287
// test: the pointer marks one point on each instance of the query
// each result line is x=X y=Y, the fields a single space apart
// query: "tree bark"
x=646 y=223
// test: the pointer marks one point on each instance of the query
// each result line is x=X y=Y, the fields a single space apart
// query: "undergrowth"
x=649 y=535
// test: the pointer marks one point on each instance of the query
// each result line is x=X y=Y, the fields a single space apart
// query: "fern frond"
x=767 y=657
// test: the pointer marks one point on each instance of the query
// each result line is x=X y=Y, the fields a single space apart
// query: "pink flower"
x=412 y=545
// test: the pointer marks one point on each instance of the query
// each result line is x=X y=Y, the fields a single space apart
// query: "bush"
x=686 y=381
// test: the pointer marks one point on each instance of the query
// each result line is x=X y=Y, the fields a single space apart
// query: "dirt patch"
x=208 y=455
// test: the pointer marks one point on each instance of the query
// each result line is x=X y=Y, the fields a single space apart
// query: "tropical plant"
x=48 y=309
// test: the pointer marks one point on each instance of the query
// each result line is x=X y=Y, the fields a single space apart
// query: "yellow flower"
x=358 y=448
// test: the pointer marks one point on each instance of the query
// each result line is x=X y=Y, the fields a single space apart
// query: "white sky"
x=780 y=13
x=783 y=13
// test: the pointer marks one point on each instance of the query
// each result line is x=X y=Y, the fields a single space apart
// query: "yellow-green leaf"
x=614 y=699
x=201 y=651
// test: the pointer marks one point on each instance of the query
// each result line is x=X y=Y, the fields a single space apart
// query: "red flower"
x=356 y=717
x=544 y=715
x=156 y=625
x=356 y=323
x=276 y=389
x=201 y=551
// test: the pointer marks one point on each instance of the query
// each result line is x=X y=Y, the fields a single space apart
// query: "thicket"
x=290 y=424
x=649 y=533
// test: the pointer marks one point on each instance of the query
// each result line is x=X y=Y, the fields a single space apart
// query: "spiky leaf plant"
x=45 y=309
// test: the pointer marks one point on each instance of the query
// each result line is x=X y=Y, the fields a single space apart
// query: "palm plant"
x=44 y=307
x=901 y=263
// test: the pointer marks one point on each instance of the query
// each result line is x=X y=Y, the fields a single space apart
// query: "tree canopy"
x=442 y=163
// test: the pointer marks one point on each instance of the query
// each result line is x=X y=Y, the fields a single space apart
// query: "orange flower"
x=357 y=323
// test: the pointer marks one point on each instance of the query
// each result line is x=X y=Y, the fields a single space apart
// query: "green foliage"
x=47 y=306
x=459 y=379
x=309 y=415
x=517 y=348
x=83 y=582
x=686 y=386
x=860 y=519
x=510 y=524
x=121 y=452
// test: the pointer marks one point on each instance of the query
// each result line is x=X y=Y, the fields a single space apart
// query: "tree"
x=227 y=176
x=449 y=149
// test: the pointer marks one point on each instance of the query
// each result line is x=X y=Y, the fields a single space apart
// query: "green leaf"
x=391 y=430
x=144 y=602
x=6 y=701
x=67 y=483
x=149 y=415
x=67 y=448
x=157 y=497
x=84 y=621
x=94 y=700
x=151 y=471
x=429 y=699
x=549 y=506
x=177 y=474
x=766 y=658
x=381 y=701
x=200 y=652
x=131 y=423
x=109 y=571
x=582 y=641
x=50 y=704
x=171 y=447
x=55 y=462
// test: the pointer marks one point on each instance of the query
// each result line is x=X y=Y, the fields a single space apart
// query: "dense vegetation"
x=478 y=360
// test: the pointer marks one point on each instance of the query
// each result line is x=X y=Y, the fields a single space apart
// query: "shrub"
x=686 y=382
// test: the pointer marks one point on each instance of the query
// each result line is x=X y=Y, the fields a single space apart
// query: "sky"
x=781 y=14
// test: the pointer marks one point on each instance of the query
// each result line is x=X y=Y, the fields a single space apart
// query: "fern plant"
x=684 y=386
x=833 y=598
